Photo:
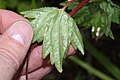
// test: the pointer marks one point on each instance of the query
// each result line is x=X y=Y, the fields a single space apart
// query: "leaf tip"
x=60 y=70
x=59 y=67
x=23 y=12
x=83 y=53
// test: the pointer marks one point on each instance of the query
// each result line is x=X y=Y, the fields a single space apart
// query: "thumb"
x=14 y=44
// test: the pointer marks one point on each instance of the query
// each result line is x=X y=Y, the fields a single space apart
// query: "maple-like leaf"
x=57 y=30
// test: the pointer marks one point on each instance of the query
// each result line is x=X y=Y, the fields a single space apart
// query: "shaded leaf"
x=116 y=15
x=99 y=15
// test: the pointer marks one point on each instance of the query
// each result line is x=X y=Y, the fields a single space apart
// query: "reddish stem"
x=19 y=72
x=69 y=2
x=83 y=3
x=26 y=59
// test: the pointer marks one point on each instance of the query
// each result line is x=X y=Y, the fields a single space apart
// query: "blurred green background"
x=102 y=56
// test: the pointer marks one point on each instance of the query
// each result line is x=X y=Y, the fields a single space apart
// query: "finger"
x=14 y=44
x=35 y=60
x=71 y=50
x=38 y=74
x=7 y=18
x=36 y=63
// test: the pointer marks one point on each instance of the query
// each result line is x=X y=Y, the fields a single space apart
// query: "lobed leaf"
x=57 y=30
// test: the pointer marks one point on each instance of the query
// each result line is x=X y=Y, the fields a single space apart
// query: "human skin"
x=15 y=40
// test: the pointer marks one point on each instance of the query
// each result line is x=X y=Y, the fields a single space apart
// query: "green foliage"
x=21 y=5
x=98 y=14
x=57 y=30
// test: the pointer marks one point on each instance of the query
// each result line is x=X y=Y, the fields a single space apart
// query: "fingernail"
x=21 y=32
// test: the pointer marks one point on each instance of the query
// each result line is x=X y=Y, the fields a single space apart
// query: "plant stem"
x=27 y=63
x=112 y=68
x=69 y=2
x=19 y=72
x=90 y=68
x=33 y=4
x=83 y=3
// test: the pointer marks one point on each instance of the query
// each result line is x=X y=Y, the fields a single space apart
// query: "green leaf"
x=116 y=15
x=73 y=5
x=76 y=38
x=57 y=30
x=84 y=12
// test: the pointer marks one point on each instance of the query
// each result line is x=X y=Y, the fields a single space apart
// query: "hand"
x=15 y=40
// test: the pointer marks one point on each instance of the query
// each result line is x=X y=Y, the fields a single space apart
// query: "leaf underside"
x=57 y=30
